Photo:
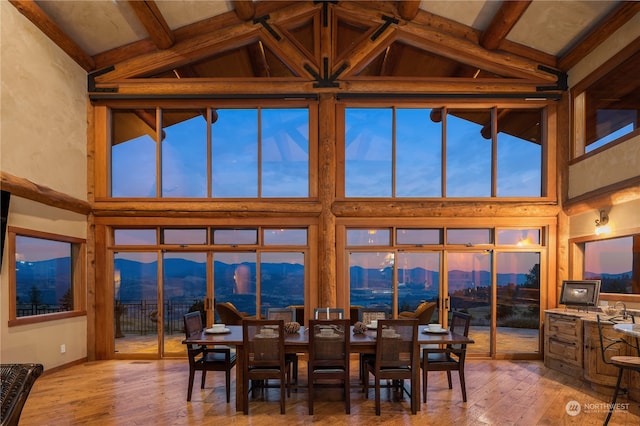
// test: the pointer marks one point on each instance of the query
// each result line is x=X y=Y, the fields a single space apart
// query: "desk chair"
x=450 y=358
x=613 y=352
x=203 y=358
x=329 y=353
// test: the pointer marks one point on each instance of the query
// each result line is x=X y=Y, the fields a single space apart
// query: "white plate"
x=441 y=331
x=212 y=331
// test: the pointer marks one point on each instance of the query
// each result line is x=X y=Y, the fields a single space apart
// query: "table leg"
x=240 y=379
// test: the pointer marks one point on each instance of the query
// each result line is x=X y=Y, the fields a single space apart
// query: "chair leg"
x=449 y=379
x=228 y=384
x=283 y=388
x=204 y=378
x=190 y=388
x=245 y=396
x=424 y=384
x=462 y=385
x=347 y=396
x=310 y=396
x=615 y=396
x=377 y=392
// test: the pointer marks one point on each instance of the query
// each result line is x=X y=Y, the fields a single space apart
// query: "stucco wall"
x=43 y=132
x=43 y=138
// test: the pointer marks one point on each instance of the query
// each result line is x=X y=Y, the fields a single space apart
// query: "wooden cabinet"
x=563 y=342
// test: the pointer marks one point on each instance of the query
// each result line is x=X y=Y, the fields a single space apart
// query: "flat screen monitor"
x=580 y=292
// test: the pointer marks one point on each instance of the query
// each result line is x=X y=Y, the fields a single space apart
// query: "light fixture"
x=602 y=226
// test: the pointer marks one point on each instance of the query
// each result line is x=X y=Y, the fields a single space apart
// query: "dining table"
x=631 y=330
x=299 y=343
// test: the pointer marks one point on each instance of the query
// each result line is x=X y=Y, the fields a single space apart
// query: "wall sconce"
x=602 y=226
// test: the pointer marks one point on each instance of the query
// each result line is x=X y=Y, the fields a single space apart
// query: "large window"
x=434 y=153
x=46 y=276
x=606 y=104
x=614 y=262
x=210 y=153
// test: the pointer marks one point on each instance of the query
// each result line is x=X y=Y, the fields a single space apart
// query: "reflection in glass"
x=371 y=280
x=289 y=237
x=468 y=154
x=469 y=287
x=136 y=302
x=519 y=153
x=518 y=302
x=368 y=237
x=133 y=153
x=418 y=154
x=234 y=146
x=234 y=280
x=418 y=279
x=281 y=280
x=235 y=236
x=368 y=152
x=43 y=276
x=184 y=290
x=519 y=237
x=612 y=262
x=184 y=153
x=285 y=152
x=135 y=237
x=418 y=236
x=184 y=236
x=469 y=236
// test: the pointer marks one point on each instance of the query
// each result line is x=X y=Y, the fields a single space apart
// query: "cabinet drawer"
x=567 y=351
x=564 y=326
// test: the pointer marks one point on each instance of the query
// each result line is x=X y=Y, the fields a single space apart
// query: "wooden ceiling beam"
x=364 y=52
x=258 y=60
x=503 y=21
x=616 y=19
x=151 y=18
x=36 y=15
x=245 y=9
x=408 y=9
x=288 y=52
x=366 y=85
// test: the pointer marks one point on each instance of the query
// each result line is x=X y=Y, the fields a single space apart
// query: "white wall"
x=43 y=113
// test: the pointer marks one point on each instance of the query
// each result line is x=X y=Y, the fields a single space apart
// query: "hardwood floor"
x=123 y=392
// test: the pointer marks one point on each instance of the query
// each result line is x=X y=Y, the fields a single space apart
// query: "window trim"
x=78 y=276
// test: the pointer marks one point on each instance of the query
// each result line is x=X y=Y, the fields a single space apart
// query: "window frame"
x=548 y=112
x=579 y=109
x=78 y=276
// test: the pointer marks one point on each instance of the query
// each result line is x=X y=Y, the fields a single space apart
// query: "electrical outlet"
x=63 y=348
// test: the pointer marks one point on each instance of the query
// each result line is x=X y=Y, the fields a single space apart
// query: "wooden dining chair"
x=614 y=352
x=286 y=315
x=328 y=313
x=369 y=314
x=396 y=360
x=329 y=356
x=203 y=358
x=450 y=358
x=264 y=358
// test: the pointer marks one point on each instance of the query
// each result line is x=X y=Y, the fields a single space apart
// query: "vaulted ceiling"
x=201 y=47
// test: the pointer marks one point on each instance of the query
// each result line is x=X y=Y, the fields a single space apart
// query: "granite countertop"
x=590 y=314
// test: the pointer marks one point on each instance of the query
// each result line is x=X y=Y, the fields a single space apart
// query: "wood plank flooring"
x=126 y=392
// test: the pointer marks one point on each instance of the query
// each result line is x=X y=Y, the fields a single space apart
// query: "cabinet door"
x=595 y=370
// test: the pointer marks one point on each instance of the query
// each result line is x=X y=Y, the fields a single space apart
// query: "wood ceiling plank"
x=503 y=21
x=151 y=18
x=36 y=15
x=616 y=19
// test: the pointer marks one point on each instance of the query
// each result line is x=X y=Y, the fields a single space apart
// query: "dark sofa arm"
x=17 y=380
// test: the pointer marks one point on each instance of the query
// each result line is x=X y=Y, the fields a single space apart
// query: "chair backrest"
x=610 y=347
x=328 y=313
x=263 y=343
x=397 y=344
x=424 y=312
x=329 y=342
x=193 y=328
x=460 y=323
x=369 y=314
x=228 y=313
x=285 y=314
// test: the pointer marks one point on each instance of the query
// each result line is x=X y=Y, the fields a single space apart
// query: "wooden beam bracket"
x=91 y=81
x=388 y=20
x=326 y=81
x=325 y=10
x=263 y=20
x=561 y=82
